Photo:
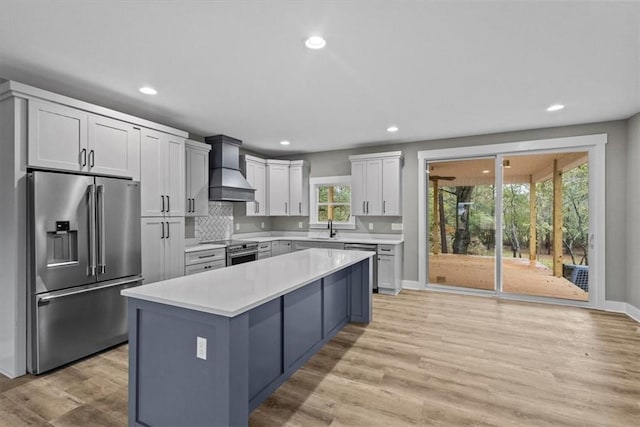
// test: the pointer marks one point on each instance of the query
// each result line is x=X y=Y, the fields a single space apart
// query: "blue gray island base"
x=247 y=356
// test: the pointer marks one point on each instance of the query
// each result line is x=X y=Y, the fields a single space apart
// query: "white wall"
x=633 y=212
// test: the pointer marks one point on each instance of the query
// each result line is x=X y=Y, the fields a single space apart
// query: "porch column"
x=557 y=220
x=533 y=214
x=436 y=219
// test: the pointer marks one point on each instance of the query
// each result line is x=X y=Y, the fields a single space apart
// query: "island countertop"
x=234 y=290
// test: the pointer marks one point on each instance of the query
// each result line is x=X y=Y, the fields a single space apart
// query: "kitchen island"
x=207 y=349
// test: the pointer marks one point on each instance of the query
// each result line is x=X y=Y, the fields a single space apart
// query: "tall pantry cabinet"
x=162 y=178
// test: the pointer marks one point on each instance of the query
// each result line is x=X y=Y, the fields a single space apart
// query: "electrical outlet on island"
x=300 y=224
x=370 y=226
x=237 y=227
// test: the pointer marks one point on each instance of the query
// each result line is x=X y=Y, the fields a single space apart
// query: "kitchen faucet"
x=332 y=233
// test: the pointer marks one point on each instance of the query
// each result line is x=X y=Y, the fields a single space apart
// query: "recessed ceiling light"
x=315 y=42
x=392 y=129
x=555 y=107
x=284 y=143
x=147 y=90
x=486 y=171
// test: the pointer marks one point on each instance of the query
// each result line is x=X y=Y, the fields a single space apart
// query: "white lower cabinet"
x=162 y=248
x=204 y=260
x=389 y=269
x=280 y=247
x=264 y=250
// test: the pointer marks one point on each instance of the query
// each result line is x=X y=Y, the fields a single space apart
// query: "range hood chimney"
x=226 y=182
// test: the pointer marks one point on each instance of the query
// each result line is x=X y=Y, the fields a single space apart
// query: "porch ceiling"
x=520 y=169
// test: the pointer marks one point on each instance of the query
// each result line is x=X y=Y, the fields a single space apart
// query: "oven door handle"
x=238 y=254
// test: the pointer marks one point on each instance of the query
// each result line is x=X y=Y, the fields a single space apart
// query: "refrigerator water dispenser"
x=62 y=244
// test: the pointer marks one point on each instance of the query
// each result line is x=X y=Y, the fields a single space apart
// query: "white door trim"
x=594 y=144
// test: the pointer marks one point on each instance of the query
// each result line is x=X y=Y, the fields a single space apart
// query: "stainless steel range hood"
x=226 y=182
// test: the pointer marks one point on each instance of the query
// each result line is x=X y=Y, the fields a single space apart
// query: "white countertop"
x=203 y=247
x=234 y=290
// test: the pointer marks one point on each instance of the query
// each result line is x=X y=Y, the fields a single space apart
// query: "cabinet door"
x=112 y=147
x=358 y=187
x=280 y=247
x=174 y=175
x=252 y=207
x=57 y=137
x=152 y=194
x=374 y=187
x=153 y=233
x=391 y=187
x=278 y=189
x=174 y=248
x=299 y=205
x=260 y=184
x=197 y=175
x=385 y=271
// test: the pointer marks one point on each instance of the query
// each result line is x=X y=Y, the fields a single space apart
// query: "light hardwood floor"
x=426 y=359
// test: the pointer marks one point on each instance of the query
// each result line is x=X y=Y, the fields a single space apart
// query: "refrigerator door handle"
x=102 y=263
x=42 y=300
x=92 y=230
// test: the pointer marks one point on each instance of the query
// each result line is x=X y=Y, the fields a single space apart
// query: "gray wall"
x=337 y=163
x=633 y=211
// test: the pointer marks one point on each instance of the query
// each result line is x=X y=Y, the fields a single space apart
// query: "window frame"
x=316 y=182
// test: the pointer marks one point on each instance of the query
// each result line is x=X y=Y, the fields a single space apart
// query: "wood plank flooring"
x=427 y=359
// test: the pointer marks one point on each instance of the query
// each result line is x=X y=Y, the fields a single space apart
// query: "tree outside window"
x=334 y=202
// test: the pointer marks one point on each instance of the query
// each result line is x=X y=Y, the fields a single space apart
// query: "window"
x=331 y=199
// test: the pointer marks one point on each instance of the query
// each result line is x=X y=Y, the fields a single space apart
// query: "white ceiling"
x=434 y=69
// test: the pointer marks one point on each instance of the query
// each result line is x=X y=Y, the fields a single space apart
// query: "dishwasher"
x=370 y=248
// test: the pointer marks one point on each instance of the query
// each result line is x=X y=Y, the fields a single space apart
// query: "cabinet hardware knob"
x=162 y=197
x=167 y=229
x=91 y=158
x=83 y=155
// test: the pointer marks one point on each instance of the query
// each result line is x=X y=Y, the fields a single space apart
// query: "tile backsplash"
x=218 y=225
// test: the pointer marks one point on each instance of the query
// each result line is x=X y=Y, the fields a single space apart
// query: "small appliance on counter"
x=84 y=248
x=238 y=251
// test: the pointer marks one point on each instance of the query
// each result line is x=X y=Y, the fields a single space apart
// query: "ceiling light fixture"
x=392 y=129
x=555 y=107
x=147 y=90
x=284 y=143
x=486 y=171
x=315 y=42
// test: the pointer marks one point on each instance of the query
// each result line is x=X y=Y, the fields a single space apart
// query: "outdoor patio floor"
x=521 y=276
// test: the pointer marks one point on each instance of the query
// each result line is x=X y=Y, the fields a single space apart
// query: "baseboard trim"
x=624 y=308
x=7 y=374
x=411 y=284
x=633 y=312
x=615 y=306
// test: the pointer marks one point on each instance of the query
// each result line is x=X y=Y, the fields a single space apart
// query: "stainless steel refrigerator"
x=84 y=248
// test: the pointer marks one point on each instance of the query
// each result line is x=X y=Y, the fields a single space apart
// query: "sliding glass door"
x=514 y=224
x=462 y=225
x=545 y=225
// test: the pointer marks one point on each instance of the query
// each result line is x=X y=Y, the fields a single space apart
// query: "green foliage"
x=341 y=202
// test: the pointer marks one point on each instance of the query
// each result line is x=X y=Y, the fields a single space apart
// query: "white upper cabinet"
x=57 y=137
x=392 y=186
x=376 y=184
x=162 y=174
x=113 y=147
x=197 y=178
x=256 y=174
x=69 y=139
x=298 y=188
x=278 y=187
x=287 y=188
